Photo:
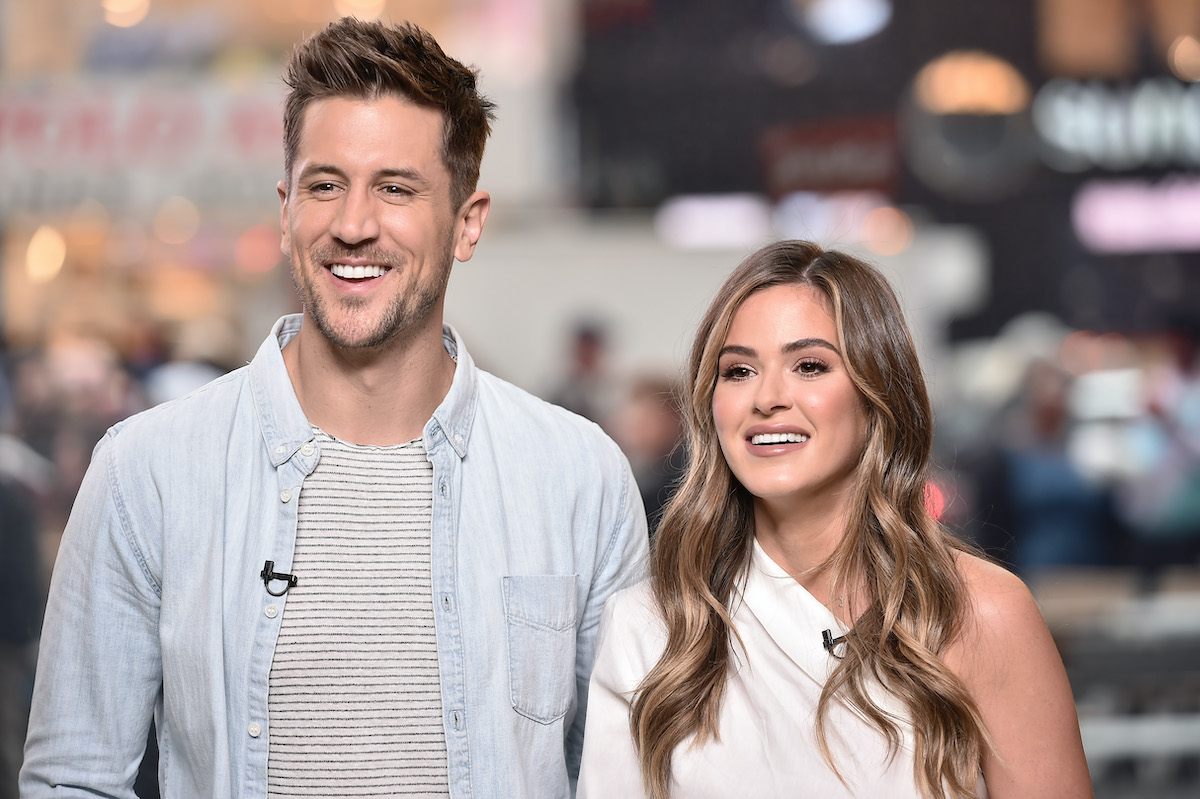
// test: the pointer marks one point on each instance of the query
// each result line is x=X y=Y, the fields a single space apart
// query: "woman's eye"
x=735 y=373
x=811 y=367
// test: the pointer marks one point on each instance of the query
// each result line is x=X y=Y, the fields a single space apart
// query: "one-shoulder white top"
x=768 y=746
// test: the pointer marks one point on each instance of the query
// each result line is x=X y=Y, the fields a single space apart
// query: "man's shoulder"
x=199 y=409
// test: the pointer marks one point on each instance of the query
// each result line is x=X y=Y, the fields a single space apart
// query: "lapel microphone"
x=268 y=574
x=827 y=641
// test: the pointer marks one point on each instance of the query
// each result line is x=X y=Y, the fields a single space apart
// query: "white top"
x=768 y=746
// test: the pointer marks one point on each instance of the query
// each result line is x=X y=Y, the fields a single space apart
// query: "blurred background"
x=1025 y=172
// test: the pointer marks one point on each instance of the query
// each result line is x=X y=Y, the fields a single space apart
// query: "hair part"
x=368 y=60
x=906 y=560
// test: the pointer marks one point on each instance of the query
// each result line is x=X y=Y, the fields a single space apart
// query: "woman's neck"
x=801 y=539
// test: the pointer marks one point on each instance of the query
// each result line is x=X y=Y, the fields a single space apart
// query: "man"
x=358 y=566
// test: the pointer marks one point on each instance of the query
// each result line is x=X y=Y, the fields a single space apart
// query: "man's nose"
x=356 y=220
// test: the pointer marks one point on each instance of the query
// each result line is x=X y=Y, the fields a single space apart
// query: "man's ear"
x=285 y=240
x=469 y=227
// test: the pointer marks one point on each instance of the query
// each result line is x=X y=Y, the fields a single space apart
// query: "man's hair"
x=369 y=60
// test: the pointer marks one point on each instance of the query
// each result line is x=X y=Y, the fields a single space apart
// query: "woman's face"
x=789 y=419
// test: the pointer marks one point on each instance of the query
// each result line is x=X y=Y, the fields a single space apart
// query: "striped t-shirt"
x=355 y=702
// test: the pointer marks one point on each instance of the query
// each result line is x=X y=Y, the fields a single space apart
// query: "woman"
x=808 y=628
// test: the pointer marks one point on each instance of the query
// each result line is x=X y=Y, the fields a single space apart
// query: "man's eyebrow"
x=320 y=169
x=403 y=173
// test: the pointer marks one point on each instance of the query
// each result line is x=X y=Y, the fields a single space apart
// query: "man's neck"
x=377 y=397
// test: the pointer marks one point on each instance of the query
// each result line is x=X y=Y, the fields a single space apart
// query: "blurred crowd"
x=1091 y=460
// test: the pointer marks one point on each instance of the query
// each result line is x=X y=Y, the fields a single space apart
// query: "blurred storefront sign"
x=838 y=155
x=1152 y=123
x=1131 y=216
x=130 y=144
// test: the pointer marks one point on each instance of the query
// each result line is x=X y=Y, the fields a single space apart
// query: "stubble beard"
x=404 y=312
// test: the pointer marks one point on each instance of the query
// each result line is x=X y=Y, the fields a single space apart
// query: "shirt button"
x=280 y=449
x=308 y=449
x=254 y=730
x=458 y=439
x=285 y=495
x=271 y=611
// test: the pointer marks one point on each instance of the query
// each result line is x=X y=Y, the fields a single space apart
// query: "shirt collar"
x=282 y=422
x=285 y=428
x=453 y=419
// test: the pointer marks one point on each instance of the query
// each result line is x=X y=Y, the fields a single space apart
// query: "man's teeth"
x=778 y=438
x=351 y=272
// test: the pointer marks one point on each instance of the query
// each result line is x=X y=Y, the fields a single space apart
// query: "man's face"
x=367 y=221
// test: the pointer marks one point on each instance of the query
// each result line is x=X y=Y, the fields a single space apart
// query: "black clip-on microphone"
x=268 y=574
x=829 y=642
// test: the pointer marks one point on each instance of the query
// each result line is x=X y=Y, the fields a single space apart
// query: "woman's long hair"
x=892 y=545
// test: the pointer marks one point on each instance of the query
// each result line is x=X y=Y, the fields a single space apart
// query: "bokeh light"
x=125 y=13
x=177 y=220
x=46 y=254
x=971 y=82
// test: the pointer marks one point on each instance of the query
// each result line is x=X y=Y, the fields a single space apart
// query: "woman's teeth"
x=778 y=438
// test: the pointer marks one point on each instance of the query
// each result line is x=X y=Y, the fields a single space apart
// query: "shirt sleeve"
x=622 y=563
x=99 y=670
x=631 y=640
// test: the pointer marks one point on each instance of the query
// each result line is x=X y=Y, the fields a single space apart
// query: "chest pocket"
x=539 y=612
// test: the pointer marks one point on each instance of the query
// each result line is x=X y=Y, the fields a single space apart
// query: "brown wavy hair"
x=893 y=547
x=368 y=60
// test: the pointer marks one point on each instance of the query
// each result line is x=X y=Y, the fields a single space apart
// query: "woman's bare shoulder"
x=1001 y=621
x=996 y=598
x=1008 y=661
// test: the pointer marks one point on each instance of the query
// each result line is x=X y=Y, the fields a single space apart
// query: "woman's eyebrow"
x=737 y=349
x=806 y=343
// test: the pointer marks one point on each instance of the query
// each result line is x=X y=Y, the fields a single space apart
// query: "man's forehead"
x=390 y=130
x=393 y=103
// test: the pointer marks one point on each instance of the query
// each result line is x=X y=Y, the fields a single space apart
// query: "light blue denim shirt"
x=157 y=604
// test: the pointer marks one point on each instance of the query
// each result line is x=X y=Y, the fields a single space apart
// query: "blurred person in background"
x=586 y=387
x=199 y=354
x=64 y=399
x=649 y=428
x=22 y=595
x=358 y=566
x=808 y=628
x=1161 y=501
x=23 y=476
x=1038 y=510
